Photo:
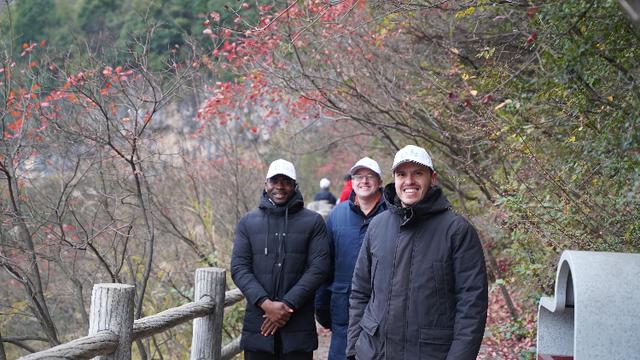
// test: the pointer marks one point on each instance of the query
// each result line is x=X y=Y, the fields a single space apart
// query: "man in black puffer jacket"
x=419 y=290
x=280 y=258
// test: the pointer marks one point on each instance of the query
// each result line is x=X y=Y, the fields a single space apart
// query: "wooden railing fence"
x=112 y=328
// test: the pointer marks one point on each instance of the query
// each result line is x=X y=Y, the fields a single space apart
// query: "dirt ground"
x=324 y=340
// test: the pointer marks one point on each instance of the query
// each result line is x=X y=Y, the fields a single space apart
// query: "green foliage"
x=531 y=110
x=32 y=20
x=113 y=28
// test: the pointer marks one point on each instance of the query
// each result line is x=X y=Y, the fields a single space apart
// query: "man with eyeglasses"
x=346 y=225
x=419 y=289
x=280 y=258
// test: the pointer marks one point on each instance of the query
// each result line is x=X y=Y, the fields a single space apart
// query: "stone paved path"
x=324 y=340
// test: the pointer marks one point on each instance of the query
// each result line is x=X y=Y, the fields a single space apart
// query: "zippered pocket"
x=374 y=268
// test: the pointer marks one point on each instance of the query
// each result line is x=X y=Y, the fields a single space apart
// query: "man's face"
x=365 y=182
x=412 y=182
x=279 y=188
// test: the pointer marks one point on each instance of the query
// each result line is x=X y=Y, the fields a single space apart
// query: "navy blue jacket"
x=346 y=226
x=280 y=253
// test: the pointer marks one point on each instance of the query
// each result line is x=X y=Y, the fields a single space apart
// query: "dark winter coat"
x=419 y=289
x=346 y=226
x=325 y=195
x=280 y=253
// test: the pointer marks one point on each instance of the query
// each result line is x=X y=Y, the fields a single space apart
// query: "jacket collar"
x=380 y=206
x=295 y=204
x=433 y=203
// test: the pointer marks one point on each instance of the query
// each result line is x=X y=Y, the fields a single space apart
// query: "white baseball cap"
x=281 y=167
x=368 y=163
x=325 y=183
x=412 y=153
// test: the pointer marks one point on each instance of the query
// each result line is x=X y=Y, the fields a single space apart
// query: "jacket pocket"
x=374 y=268
x=369 y=324
x=368 y=346
x=340 y=303
x=436 y=336
x=435 y=343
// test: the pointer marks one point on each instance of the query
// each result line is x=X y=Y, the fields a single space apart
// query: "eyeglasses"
x=363 y=177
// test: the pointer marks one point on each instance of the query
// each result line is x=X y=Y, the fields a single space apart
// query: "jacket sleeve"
x=242 y=266
x=316 y=270
x=471 y=291
x=360 y=293
x=323 y=294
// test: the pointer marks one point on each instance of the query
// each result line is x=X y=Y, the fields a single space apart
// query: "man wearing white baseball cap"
x=280 y=257
x=419 y=288
x=346 y=225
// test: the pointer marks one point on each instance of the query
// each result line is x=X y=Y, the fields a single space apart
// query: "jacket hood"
x=434 y=202
x=295 y=203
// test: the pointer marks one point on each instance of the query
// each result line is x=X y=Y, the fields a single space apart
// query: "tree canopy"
x=130 y=128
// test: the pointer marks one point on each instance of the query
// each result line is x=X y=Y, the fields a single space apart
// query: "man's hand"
x=268 y=327
x=276 y=315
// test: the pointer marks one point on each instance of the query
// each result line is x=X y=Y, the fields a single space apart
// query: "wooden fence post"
x=206 y=341
x=112 y=310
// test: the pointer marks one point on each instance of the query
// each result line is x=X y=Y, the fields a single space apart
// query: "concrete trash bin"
x=595 y=313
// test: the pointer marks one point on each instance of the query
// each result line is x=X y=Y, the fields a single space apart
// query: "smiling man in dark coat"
x=419 y=290
x=280 y=258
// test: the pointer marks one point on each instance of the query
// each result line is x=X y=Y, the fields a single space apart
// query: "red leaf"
x=15 y=126
x=532 y=38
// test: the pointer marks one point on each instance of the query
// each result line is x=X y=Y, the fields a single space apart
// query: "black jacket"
x=419 y=290
x=280 y=253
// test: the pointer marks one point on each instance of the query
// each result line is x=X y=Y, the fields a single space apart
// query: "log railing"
x=112 y=328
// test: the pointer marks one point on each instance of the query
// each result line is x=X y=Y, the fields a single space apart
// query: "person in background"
x=324 y=193
x=346 y=189
x=346 y=225
x=419 y=289
x=280 y=257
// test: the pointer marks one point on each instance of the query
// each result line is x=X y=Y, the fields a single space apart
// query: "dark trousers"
x=259 y=355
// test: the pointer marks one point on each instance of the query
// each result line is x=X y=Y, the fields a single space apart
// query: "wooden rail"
x=112 y=328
